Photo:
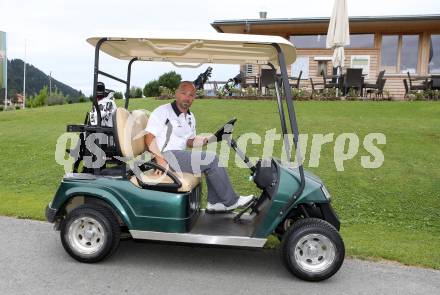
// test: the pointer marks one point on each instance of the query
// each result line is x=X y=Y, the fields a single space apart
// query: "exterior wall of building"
x=423 y=26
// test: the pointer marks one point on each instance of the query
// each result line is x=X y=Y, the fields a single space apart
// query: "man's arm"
x=197 y=141
x=150 y=141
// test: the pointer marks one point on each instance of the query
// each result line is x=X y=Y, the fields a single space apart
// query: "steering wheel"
x=225 y=129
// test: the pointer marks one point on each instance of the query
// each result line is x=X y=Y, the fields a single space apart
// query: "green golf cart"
x=113 y=192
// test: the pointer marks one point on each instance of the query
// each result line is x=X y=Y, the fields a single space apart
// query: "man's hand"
x=162 y=162
x=198 y=141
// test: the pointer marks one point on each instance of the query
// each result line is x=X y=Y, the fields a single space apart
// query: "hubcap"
x=86 y=235
x=314 y=253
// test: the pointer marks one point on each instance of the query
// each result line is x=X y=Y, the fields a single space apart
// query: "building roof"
x=314 y=24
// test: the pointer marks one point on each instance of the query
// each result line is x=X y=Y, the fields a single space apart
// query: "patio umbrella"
x=338 y=34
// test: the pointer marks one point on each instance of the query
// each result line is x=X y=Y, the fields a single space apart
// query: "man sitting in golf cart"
x=171 y=128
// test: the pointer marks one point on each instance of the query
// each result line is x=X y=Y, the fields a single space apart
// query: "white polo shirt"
x=169 y=116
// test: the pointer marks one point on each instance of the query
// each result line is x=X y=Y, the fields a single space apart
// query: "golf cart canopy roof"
x=178 y=48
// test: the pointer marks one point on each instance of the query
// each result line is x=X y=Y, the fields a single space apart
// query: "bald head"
x=185 y=94
x=187 y=85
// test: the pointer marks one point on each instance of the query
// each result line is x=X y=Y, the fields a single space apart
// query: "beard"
x=185 y=105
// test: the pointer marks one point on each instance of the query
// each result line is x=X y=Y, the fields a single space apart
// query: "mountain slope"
x=35 y=80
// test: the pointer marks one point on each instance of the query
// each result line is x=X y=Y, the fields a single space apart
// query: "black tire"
x=102 y=224
x=315 y=235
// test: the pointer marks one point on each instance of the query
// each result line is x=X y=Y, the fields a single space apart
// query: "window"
x=300 y=64
x=322 y=67
x=309 y=41
x=361 y=41
x=409 y=53
x=389 y=52
x=434 y=55
x=400 y=53
x=248 y=69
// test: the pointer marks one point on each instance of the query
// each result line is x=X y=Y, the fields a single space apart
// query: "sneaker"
x=221 y=208
x=243 y=201
x=216 y=208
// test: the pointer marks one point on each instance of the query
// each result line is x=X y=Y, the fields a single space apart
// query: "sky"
x=55 y=31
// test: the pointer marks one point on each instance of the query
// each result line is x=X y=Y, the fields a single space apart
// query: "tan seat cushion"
x=189 y=181
x=130 y=129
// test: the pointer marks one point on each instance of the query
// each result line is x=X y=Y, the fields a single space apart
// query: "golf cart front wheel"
x=90 y=233
x=312 y=249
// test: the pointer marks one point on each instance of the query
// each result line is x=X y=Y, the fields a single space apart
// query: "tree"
x=170 y=80
x=118 y=95
x=135 y=92
x=138 y=92
x=151 y=89
x=41 y=98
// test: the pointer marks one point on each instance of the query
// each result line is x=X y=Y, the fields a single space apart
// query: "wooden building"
x=397 y=44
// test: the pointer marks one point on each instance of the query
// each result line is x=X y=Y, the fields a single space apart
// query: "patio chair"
x=435 y=83
x=353 y=79
x=267 y=79
x=374 y=86
x=295 y=84
x=314 y=90
x=247 y=80
x=378 y=92
x=424 y=86
x=405 y=84
x=329 y=82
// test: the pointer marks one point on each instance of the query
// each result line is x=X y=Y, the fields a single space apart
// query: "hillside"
x=35 y=80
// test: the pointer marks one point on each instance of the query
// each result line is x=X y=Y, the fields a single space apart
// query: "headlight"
x=325 y=192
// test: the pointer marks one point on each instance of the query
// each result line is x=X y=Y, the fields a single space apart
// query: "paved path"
x=33 y=261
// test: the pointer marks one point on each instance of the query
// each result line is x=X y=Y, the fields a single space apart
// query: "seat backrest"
x=353 y=77
x=381 y=85
x=299 y=79
x=435 y=82
x=405 y=84
x=380 y=76
x=409 y=79
x=267 y=77
x=129 y=131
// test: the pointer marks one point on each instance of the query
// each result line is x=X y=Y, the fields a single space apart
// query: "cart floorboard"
x=211 y=229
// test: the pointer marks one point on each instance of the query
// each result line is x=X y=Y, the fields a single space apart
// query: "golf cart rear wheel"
x=312 y=249
x=90 y=233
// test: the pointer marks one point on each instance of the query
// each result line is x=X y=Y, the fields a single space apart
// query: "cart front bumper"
x=50 y=214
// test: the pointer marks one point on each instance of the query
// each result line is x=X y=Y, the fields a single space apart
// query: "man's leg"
x=219 y=186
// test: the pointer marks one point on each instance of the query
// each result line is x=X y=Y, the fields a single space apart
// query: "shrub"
x=326 y=94
x=55 y=100
x=165 y=93
x=432 y=94
x=387 y=95
x=250 y=91
x=300 y=94
x=119 y=95
x=170 y=80
x=415 y=95
x=352 y=94
x=1 y=108
x=151 y=89
x=17 y=107
x=200 y=93
x=41 y=98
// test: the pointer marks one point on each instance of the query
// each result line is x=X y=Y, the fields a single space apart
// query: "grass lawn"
x=392 y=212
